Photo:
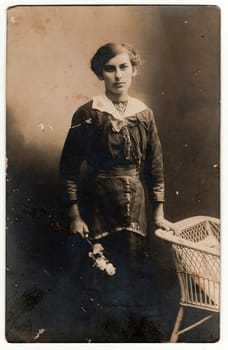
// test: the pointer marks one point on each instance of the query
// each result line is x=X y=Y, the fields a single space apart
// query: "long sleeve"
x=73 y=153
x=153 y=165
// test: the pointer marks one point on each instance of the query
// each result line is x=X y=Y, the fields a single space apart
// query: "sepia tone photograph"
x=113 y=157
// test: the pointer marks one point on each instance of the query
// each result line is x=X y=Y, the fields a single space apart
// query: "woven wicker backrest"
x=195 y=247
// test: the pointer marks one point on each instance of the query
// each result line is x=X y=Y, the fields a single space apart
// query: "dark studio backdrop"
x=48 y=77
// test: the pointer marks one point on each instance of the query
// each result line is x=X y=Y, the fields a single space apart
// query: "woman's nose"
x=118 y=74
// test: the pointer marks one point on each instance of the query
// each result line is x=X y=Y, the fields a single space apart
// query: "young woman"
x=117 y=137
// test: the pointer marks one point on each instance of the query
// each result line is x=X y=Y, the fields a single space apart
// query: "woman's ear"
x=134 y=71
x=100 y=77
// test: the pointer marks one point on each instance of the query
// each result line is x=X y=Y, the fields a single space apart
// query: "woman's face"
x=117 y=75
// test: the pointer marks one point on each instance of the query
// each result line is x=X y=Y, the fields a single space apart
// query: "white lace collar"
x=104 y=104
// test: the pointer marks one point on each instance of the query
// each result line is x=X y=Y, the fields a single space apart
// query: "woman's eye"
x=124 y=67
x=109 y=69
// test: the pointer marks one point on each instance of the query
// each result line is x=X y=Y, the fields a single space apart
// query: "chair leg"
x=180 y=315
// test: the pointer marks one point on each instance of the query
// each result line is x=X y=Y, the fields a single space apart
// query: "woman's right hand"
x=78 y=226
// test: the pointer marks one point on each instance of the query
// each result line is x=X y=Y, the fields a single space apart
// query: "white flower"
x=97 y=248
x=100 y=261
x=101 y=264
x=110 y=269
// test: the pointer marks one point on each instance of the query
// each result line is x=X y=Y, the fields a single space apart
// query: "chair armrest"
x=172 y=238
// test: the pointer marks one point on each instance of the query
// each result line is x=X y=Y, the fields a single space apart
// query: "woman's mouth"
x=120 y=84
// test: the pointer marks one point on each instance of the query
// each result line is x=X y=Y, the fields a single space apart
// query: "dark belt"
x=129 y=170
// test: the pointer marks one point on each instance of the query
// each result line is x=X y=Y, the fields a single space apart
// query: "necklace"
x=121 y=107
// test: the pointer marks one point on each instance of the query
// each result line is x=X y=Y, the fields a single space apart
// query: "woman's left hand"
x=159 y=219
x=162 y=223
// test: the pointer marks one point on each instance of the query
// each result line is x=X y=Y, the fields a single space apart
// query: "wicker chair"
x=195 y=246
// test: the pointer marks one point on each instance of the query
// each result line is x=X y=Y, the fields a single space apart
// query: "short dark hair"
x=110 y=50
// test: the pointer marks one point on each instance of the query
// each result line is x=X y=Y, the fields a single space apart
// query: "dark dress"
x=118 y=153
x=105 y=162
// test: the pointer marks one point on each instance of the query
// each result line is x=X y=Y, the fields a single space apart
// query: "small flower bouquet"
x=100 y=261
x=96 y=253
